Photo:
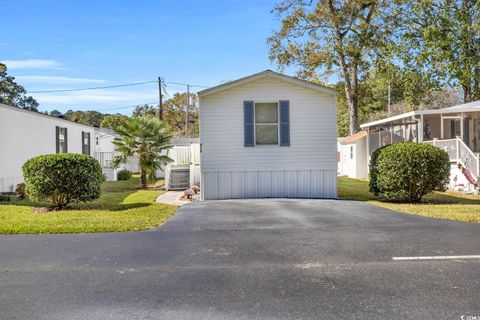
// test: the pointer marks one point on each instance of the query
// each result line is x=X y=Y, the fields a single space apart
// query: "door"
x=452 y=127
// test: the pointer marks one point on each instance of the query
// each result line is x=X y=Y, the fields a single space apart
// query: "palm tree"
x=145 y=137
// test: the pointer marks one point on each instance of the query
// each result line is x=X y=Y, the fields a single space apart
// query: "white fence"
x=185 y=156
x=105 y=158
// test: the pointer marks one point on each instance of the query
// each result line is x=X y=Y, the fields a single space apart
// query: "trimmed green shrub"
x=407 y=171
x=20 y=191
x=124 y=174
x=373 y=172
x=4 y=197
x=63 y=178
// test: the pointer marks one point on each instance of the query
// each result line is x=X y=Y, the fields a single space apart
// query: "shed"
x=352 y=160
x=268 y=135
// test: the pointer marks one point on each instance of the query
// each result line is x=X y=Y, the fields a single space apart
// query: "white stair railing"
x=468 y=159
x=460 y=153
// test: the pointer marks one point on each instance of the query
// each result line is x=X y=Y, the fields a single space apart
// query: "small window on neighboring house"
x=351 y=152
x=86 y=143
x=61 y=137
x=266 y=123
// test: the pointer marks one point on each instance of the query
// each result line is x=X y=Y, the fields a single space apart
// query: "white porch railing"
x=460 y=153
x=105 y=158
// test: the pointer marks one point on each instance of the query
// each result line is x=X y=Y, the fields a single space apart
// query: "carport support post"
x=391 y=133
x=368 y=149
x=420 y=129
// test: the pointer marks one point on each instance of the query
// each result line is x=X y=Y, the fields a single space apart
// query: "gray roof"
x=39 y=114
x=465 y=107
x=267 y=73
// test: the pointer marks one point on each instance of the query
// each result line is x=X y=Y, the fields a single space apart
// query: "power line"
x=116 y=86
x=95 y=88
x=187 y=84
x=126 y=107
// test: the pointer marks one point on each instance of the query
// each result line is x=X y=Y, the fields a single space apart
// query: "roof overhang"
x=466 y=107
x=353 y=138
x=267 y=74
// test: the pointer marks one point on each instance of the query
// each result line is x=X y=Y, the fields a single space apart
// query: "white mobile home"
x=268 y=135
x=25 y=134
x=352 y=159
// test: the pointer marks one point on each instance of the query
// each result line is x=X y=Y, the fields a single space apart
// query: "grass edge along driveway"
x=121 y=207
x=445 y=205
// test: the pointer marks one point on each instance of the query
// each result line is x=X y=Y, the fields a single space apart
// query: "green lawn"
x=121 y=207
x=446 y=205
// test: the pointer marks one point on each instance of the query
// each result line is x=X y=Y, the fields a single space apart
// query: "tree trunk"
x=467 y=93
x=143 y=179
x=351 y=91
x=353 y=101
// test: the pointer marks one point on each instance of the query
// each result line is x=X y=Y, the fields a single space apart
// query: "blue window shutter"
x=248 y=123
x=66 y=140
x=57 y=139
x=284 y=123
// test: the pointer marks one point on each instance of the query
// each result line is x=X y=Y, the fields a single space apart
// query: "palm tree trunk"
x=143 y=179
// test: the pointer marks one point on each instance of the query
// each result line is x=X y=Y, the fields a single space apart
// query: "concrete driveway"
x=261 y=259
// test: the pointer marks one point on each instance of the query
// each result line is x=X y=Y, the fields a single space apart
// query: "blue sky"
x=75 y=44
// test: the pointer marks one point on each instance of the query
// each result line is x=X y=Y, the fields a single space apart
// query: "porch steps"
x=179 y=178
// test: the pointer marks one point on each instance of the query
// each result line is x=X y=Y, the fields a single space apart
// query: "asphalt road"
x=262 y=259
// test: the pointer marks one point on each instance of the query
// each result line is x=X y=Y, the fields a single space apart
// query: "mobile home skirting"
x=313 y=184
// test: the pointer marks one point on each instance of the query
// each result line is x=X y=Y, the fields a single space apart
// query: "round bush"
x=407 y=171
x=63 y=178
x=124 y=174
x=20 y=191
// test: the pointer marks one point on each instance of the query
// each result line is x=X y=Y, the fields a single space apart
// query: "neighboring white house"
x=454 y=129
x=25 y=134
x=268 y=135
x=352 y=157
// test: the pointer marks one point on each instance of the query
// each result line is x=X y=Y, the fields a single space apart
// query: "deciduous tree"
x=13 y=94
x=443 y=37
x=333 y=36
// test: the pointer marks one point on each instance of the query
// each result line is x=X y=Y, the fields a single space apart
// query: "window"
x=86 y=143
x=351 y=152
x=61 y=140
x=266 y=123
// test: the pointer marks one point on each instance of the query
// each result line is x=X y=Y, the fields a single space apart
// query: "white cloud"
x=31 y=64
x=56 y=80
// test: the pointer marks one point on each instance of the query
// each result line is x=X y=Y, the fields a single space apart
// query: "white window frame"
x=263 y=124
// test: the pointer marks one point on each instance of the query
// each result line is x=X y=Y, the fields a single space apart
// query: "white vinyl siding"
x=305 y=169
x=27 y=134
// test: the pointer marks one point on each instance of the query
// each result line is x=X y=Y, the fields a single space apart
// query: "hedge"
x=124 y=174
x=407 y=171
x=63 y=178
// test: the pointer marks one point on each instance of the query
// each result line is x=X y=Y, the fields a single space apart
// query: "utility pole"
x=186 y=111
x=160 y=106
